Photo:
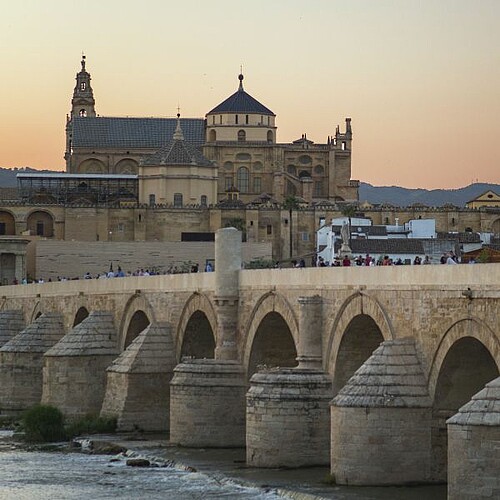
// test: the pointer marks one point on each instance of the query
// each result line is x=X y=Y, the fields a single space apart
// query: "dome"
x=241 y=102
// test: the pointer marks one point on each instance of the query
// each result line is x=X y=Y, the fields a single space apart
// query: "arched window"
x=242 y=136
x=212 y=136
x=242 y=180
x=83 y=85
x=203 y=201
x=83 y=112
x=270 y=137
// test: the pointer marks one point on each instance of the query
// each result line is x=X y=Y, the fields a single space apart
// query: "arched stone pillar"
x=473 y=447
x=207 y=396
x=381 y=420
x=74 y=374
x=292 y=402
x=137 y=389
x=206 y=407
x=21 y=363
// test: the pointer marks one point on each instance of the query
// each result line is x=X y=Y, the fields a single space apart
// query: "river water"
x=219 y=474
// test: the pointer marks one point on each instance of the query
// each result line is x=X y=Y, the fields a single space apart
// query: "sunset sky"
x=420 y=79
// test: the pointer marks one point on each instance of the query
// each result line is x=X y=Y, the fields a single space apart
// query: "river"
x=219 y=474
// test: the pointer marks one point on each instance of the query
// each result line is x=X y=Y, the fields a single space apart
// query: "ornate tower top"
x=83 y=103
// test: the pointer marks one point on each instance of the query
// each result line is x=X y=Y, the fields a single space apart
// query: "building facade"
x=238 y=136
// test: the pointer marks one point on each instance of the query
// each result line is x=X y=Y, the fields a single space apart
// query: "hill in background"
x=394 y=195
x=405 y=197
x=8 y=175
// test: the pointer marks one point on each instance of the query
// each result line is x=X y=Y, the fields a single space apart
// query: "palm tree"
x=291 y=203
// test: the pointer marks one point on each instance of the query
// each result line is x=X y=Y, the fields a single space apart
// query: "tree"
x=291 y=203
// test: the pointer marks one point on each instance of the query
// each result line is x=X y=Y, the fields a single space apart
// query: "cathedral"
x=230 y=154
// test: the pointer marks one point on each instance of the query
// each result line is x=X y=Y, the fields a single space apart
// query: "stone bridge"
x=356 y=367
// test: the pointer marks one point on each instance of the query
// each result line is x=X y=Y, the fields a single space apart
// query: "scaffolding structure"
x=95 y=189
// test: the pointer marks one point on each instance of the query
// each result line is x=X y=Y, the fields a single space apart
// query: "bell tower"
x=83 y=102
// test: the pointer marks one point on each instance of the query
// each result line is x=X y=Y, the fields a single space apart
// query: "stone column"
x=310 y=327
x=227 y=269
x=288 y=418
x=20 y=267
x=473 y=447
x=207 y=404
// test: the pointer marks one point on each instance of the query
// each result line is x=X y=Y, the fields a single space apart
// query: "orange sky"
x=420 y=79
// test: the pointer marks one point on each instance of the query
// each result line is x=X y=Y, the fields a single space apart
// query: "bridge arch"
x=272 y=334
x=465 y=327
x=358 y=329
x=467 y=358
x=80 y=315
x=197 y=329
x=35 y=313
x=137 y=315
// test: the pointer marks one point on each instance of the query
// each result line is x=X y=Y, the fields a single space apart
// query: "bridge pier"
x=137 y=389
x=381 y=420
x=21 y=363
x=207 y=404
x=74 y=374
x=288 y=417
x=473 y=447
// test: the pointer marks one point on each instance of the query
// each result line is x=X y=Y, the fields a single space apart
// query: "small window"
x=257 y=185
x=269 y=136
x=2 y=228
x=304 y=236
x=220 y=119
x=140 y=217
x=269 y=229
x=236 y=119
x=268 y=121
x=39 y=228
x=344 y=146
x=246 y=119
x=386 y=220
x=228 y=183
x=318 y=188
x=203 y=201
x=83 y=112
x=83 y=86
x=121 y=227
x=212 y=136
x=242 y=136
x=152 y=200
x=177 y=199
x=213 y=120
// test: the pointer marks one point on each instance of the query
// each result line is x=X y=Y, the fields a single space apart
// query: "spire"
x=178 y=135
x=83 y=103
x=240 y=78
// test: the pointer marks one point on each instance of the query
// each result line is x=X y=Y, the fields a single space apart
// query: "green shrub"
x=43 y=423
x=91 y=424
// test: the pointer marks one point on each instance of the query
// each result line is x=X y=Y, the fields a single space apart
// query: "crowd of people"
x=448 y=258
x=368 y=260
